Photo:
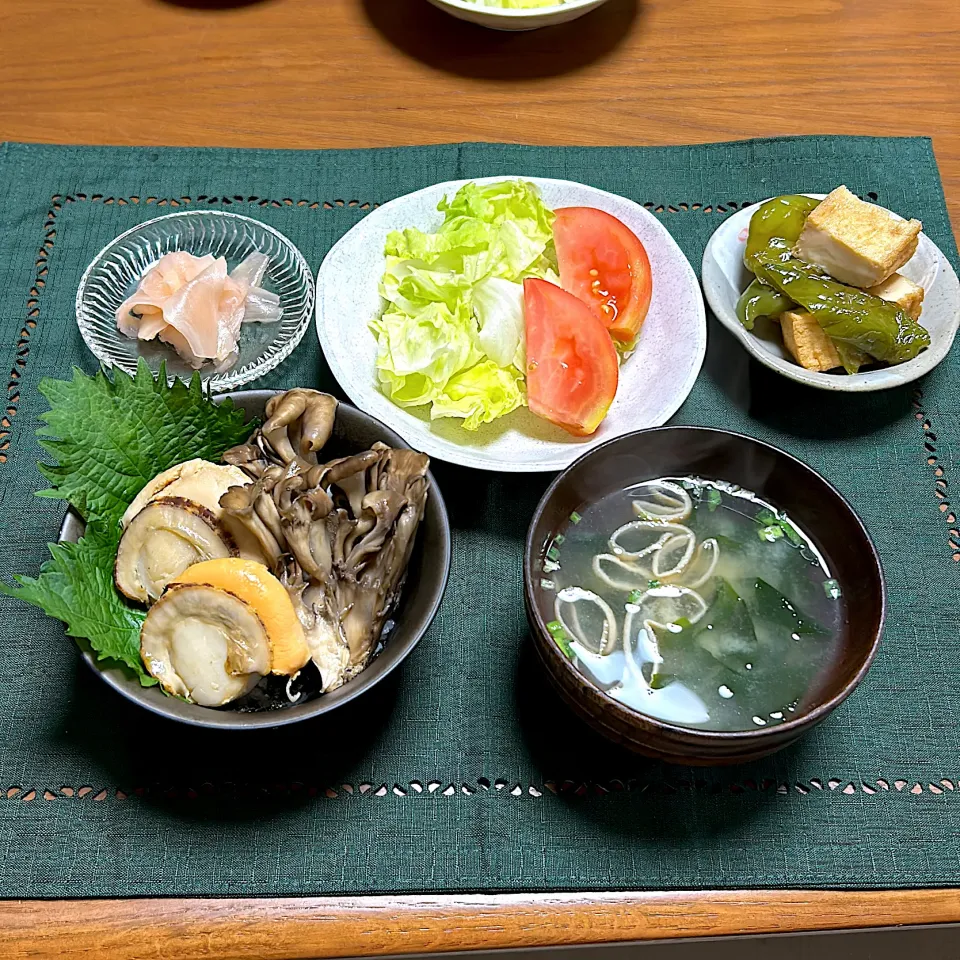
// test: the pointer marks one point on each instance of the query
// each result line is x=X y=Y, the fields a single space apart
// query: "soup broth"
x=695 y=602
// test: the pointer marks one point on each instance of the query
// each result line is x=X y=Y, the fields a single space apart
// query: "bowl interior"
x=116 y=270
x=788 y=484
x=425 y=584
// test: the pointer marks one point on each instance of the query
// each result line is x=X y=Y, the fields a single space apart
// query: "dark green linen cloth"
x=463 y=771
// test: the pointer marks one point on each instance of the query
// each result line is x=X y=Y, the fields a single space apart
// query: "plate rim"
x=870 y=382
x=464 y=456
x=216 y=382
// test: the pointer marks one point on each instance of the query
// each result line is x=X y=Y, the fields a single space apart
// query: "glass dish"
x=117 y=268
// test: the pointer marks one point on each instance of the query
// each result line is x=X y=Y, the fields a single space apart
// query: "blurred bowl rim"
x=798 y=724
x=509 y=13
x=227 y=380
x=120 y=680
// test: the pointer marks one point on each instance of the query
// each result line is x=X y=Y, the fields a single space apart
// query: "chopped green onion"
x=714 y=498
x=770 y=533
x=555 y=627
x=635 y=596
x=558 y=539
x=550 y=566
x=547 y=584
x=832 y=589
x=683 y=623
x=575 y=517
x=553 y=553
x=791 y=531
x=653 y=584
x=766 y=517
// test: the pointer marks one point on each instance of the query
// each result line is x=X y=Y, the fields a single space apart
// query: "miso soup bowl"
x=790 y=485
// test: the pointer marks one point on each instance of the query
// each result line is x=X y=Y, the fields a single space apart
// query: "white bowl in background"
x=725 y=278
x=499 y=18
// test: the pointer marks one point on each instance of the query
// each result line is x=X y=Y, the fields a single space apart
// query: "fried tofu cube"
x=807 y=342
x=857 y=243
x=901 y=291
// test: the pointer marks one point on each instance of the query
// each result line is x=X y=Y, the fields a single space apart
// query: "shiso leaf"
x=76 y=586
x=110 y=439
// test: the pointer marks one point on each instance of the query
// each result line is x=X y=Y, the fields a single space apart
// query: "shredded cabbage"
x=452 y=332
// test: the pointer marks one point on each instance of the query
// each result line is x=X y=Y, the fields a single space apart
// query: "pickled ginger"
x=197 y=307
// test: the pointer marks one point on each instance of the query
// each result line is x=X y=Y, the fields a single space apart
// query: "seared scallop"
x=204 y=644
x=161 y=541
x=259 y=588
x=204 y=483
x=197 y=480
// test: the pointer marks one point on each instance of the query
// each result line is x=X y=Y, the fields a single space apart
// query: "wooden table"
x=355 y=73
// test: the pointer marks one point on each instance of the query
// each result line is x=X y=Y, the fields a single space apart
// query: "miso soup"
x=695 y=602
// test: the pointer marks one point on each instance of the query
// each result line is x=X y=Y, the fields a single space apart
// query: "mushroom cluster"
x=338 y=534
x=247 y=563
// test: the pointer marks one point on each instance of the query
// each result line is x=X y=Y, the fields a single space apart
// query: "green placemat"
x=463 y=772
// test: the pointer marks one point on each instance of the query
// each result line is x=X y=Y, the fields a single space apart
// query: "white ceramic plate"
x=500 y=18
x=725 y=278
x=654 y=380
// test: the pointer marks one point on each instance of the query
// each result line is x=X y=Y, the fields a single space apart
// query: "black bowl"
x=780 y=479
x=426 y=580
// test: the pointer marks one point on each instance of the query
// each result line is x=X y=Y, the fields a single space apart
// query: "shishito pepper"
x=760 y=300
x=851 y=357
x=846 y=314
x=776 y=226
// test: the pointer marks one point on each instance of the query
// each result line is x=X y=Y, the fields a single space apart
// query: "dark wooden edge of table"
x=304 y=928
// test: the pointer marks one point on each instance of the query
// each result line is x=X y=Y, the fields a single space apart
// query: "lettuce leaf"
x=480 y=394
x=110 y=439
x=498 y=304
x=417 y=355
x=452 y=333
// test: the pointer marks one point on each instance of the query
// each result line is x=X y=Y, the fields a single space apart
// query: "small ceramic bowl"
x=426 y=581
x=778 y=478
x=117 y=268
x=499 y=18
x=725 y=278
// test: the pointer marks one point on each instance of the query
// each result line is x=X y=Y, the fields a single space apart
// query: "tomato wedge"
x=572 y=367
x=604 y=264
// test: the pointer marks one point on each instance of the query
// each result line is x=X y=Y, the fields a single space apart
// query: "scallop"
x=259 y=588
x=161 y=541
x=204 y=644
x=205 y=483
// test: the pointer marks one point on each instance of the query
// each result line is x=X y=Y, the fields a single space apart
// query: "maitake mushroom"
x=338 y=535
